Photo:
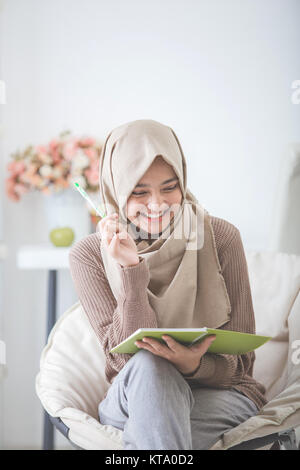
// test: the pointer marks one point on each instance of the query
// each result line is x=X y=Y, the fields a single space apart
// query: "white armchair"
x=71 y=380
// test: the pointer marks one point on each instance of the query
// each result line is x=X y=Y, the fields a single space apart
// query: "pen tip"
x=76 y=184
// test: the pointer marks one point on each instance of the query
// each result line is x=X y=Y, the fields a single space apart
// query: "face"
x=156 y=198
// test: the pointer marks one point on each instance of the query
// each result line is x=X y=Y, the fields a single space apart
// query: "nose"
x=153 y=206
x=156 y=204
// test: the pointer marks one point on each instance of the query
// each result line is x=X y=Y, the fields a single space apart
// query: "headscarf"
x=186 y=287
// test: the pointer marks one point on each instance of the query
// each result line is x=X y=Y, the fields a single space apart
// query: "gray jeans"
x=157 y=408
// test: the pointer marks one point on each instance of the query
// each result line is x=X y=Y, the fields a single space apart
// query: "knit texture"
x=113 y=320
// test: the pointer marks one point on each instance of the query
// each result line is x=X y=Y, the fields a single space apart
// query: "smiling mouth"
x=154 y=218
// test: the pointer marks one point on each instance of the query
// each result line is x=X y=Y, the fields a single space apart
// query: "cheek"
x=132 y=208
x=176 y=197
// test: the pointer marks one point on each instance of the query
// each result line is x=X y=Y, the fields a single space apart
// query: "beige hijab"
x=186 y=287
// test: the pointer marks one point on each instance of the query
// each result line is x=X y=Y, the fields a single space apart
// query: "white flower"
x=46 y=171
x=77 y=171
x=45 y=158
x=80 y=161
x=57 y=172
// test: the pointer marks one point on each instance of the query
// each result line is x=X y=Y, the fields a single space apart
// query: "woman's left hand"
x=185 y=358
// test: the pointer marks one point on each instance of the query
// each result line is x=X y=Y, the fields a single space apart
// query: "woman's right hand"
x=120 y=246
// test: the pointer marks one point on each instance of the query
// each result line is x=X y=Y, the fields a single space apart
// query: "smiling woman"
x=125 y=283
x=153 y=208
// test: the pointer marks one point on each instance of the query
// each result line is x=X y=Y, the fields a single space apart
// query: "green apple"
x=62 y=236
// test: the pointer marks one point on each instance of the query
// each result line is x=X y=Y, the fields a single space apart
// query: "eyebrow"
x=143 y=185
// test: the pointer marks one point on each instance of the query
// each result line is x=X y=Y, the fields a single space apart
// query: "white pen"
x=84 y=194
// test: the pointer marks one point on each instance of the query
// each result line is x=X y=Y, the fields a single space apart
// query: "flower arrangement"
x=54 y=167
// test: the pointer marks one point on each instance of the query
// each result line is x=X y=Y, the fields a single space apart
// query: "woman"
x=160 y=260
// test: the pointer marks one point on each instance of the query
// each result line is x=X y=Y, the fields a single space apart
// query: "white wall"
x=2 y=366
x=219 y=73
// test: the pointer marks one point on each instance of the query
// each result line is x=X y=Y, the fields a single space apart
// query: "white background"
x=218 y=72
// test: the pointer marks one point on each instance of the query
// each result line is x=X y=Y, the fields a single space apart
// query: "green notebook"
x=226 y=342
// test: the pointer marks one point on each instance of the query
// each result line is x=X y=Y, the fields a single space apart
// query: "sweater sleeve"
x=113 y=320
x=224 y=370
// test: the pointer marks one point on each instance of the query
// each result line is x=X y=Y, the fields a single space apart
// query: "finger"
x=122 y=235
x=115 y=244
x=109 y=232
x=203 y=346
x=157 y=346
x=106 y=240
x=103 y=222
x=112 y=241
x=101 y=226
x=148 y=347
x=111 y=228
x=172 y=343
x=98 y=227
x=108 y=237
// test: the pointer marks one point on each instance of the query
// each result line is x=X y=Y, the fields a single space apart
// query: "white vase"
x=67 y=208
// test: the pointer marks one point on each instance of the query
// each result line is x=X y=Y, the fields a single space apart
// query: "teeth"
x=154 y=216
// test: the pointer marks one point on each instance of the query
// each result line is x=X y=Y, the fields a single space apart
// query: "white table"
x=51 y=258
x=43 y=256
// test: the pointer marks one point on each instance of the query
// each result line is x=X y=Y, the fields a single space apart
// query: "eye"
x=170 y=188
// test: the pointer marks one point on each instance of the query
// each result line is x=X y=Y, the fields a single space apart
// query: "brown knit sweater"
x=113 y=320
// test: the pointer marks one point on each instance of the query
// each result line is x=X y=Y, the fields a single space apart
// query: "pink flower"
x=69 y=150
x=16 y=167
x=27 y=176
x=32 y=169
x=53 y=163
x=41 y=149
x=10 y=189
x=45 y=158
x=61 y=183
x=46 y=190
x=94 y=166
x=55 y=155
x=53 y=144
x=58 y=171
x=91 y=153
x=92 y=176
x=86 y=142
x=36 y=180
x=21 y=189
x=53 y=150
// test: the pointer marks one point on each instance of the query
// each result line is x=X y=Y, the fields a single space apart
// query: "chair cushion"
x=274 y=280
x=282 y=412
x=71 y=381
